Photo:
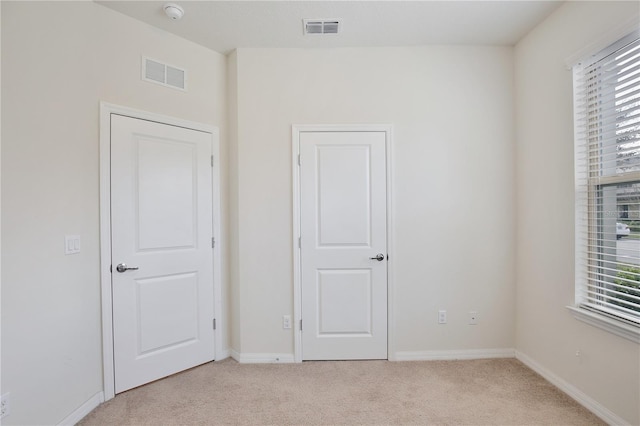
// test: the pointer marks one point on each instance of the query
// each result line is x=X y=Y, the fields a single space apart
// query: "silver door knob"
x=379 y=257
x=122 y=267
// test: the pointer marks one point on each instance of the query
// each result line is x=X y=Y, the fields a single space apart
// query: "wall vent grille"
x=167 y=75
x=321 y=26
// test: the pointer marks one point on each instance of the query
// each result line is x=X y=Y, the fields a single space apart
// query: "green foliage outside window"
x=631 y=287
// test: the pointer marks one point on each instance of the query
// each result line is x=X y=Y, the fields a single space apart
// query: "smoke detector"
x=173 y=11
x=321 y=26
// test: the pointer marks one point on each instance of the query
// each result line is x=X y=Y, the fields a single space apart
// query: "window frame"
x=586 y=188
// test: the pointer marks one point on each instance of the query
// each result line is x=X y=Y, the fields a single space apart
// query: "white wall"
x=59 y=59
x=452 y=111
x=608 y=370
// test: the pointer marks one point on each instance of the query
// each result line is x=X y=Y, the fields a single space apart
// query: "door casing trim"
x=296 y=130
x=106 y=110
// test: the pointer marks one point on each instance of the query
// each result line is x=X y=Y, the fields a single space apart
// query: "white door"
x=161 y=201
x=343 y=225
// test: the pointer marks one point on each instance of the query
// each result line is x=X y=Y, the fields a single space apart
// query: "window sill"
x=603 y=322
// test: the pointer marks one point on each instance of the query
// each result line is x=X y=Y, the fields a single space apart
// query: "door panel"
x=163 y=325
x=344 y=302
x=344 y=217
x=161 y=201
x=165 y=178
x=343 y=224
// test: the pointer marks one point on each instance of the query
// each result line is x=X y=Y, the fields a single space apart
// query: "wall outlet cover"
x=286 y=322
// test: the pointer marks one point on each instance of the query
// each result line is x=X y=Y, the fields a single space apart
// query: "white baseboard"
x=223 y=354
x=262 y=358
x=234 y=354
x=583 y=399
x=83 y=410
x=453 y=355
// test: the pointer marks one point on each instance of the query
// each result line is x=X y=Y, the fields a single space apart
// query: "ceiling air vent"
x=156 y=72
x=321 y=26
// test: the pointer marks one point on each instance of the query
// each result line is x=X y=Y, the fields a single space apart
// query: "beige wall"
x=59 y=59
x=234 y=175
x=608 y=370
x=1 y=392
x=453 y=183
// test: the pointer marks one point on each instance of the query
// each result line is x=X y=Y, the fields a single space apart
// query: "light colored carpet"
x=487 y=392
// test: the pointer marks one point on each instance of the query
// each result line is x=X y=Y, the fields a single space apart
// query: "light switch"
x=71 y=244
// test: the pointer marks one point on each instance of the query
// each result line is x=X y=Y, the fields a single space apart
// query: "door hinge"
x=300 y=325
x=214 y=323
x=212 y=161
x=299 y=242
x=213 y=242
x=299 y=161
x=111 y=268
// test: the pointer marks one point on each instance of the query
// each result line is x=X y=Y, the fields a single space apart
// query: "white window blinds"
x=607 y=126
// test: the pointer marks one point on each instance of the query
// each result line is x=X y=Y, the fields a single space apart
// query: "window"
x=607 y=129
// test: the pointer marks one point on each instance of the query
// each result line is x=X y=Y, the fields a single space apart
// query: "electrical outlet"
x=5 y=408
x=286 y=322
x=442 y=317
x=473 y=318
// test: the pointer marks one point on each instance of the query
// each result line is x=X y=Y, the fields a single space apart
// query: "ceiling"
x=225 y=25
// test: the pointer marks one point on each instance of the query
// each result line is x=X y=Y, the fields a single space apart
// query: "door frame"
x=106 y=110
x=296 y=130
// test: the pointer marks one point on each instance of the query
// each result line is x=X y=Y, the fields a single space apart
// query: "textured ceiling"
x=226 y=25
